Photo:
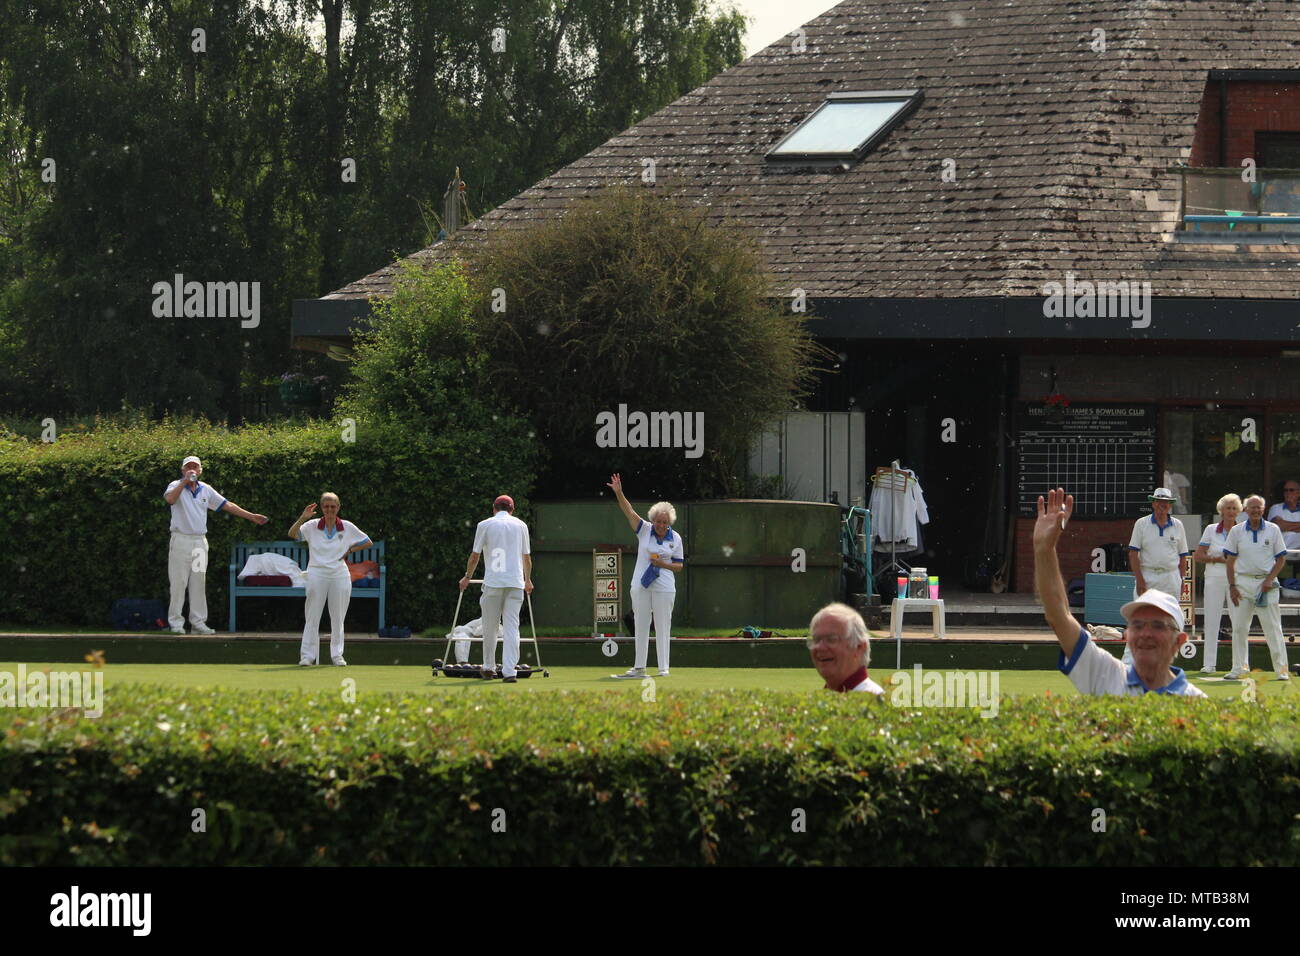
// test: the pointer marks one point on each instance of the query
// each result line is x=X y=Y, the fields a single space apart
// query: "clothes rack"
x=892 y=474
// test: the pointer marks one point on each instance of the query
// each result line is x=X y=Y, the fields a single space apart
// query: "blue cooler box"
x=1104 y=595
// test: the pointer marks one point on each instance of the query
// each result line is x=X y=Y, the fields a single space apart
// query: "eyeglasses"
x=1140 y=626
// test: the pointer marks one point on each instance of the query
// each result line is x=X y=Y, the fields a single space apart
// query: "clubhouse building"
x=1052 y=242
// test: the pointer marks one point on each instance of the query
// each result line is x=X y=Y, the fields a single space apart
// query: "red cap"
x=504 y=501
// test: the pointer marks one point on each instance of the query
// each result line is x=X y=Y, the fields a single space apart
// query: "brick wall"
x=1252 y=107
x=1074 y=549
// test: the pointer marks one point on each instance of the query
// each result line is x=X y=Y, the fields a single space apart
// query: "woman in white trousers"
x=329 y=540
x=1210 y=553
x=660 y=555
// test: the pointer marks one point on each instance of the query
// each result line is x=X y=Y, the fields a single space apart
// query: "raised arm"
x=633 y=519
x=1052 y=517
x=171 y=496
x=307 y=514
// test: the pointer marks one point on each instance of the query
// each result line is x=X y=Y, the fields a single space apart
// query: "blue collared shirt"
x=1098 y=672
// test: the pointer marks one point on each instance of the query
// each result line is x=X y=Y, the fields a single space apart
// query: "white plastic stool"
x=938 y=620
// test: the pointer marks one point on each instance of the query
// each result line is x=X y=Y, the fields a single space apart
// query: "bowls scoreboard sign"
x=607 y=596
x=1187 y=598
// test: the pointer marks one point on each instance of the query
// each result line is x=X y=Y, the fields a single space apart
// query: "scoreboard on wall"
x=606 y=595
x=1104 y=455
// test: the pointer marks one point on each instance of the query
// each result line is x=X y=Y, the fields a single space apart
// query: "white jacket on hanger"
x=897 y=508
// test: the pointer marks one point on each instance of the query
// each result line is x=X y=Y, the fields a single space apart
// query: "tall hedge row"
x=726 y=778
x=85 y=522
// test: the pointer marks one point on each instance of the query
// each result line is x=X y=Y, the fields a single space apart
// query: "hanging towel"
x=652 y=572
x=268 y=563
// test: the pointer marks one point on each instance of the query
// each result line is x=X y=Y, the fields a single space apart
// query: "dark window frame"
x=911 y=100
x=1285 y=138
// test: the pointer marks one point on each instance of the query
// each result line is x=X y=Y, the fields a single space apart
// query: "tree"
x=421 y=367
x=226 y=164
x=632 y=298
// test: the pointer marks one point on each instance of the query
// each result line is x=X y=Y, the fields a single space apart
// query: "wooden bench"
x=297 y=551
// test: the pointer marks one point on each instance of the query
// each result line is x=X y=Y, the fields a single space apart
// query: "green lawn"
x=393 y=679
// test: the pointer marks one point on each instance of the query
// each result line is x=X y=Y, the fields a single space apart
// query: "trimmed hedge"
x=85 y=521
x=610 y=779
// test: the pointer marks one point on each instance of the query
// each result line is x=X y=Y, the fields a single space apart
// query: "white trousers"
x=659 y=603
x=501 y=604
x=336 y=590
x=1167 y=581
x=184 y=554
x=1270 y=619
x=1216 y=600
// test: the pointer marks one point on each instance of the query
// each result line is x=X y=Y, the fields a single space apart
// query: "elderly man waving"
x=1153 y=635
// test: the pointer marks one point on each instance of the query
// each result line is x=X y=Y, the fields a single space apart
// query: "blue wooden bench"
x=297 y=551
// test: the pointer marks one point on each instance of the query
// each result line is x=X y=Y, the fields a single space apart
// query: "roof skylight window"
x=847 y=126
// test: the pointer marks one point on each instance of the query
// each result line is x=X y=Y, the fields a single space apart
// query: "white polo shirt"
x=671 y=548
x=1100 y=673
x=1280 y=510
x=1214 y=539
x=1257 y=549
x=503 y=542
x=327 y=549
x=868 y=685
x=1160 y=545
x=190 y=512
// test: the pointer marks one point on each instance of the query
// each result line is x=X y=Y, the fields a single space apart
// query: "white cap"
x=1153 y=597
x=1161 y=494
x=191 y=458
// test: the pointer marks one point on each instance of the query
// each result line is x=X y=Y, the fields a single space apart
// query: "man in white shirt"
x=1158 y=551
x=840 y=646
x=187 y=556
x=1256 y=553
x=507 y=577
x=1154 y=632
x=1286 y=515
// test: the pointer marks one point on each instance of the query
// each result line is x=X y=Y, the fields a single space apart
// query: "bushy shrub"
x=579 y=779
x=632 y=297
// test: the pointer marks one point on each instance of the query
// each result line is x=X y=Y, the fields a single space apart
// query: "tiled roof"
x=1061 y=151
